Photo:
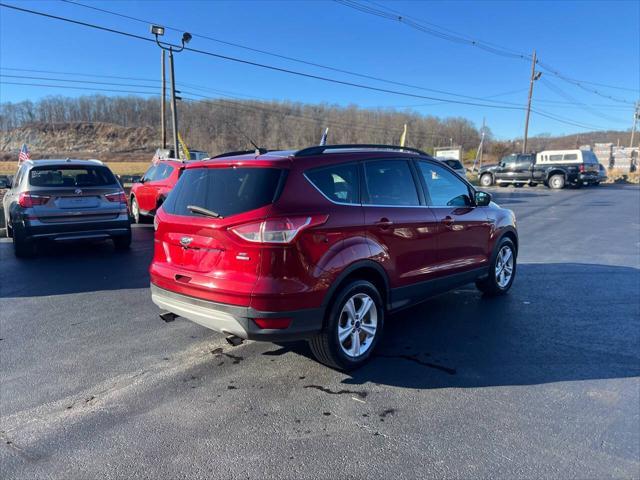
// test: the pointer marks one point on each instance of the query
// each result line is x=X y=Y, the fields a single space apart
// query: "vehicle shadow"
x=552 y=327
x=60 y=269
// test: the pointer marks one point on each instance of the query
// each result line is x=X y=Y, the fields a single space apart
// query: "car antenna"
x=259 y=151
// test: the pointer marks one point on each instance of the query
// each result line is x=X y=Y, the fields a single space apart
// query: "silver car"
x=65 y=200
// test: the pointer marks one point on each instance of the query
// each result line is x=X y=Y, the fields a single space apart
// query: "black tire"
x=136 y=217
x=326 y=346
x=533 y=184
x=486 y=180
x=122 y=242
x=490 y=285
x=23 y=247
x=556 y=182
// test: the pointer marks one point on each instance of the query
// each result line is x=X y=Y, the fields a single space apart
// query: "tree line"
x=222 y=125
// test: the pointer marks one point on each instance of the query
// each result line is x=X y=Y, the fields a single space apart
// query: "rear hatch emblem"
x=186 y=241
x=78 y=191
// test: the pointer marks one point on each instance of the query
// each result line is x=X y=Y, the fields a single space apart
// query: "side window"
x=149 y=175
x=162 y=172
x=444 y=187
x=508 y=161
x=555 y=158
x=570 y=156
x=389 y=182
x=167 y=172
x=339 y=183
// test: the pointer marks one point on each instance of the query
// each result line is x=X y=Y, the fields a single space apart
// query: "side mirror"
x=483 y=199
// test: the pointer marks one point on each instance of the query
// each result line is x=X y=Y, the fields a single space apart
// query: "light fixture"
x=157 y=30
x=186 y=37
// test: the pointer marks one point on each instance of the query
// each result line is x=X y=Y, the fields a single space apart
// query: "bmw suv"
x=65 y=200
x=323 y=243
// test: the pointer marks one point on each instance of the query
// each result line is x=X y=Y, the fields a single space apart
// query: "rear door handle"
x=448 y=221
x=384 y=223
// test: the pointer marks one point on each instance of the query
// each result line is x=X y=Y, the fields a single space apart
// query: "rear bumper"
x=235 y=320
x=588 y=178
x=119 y=226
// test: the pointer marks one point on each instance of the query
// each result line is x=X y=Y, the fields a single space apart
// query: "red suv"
x=322 y=243
x=154 y=186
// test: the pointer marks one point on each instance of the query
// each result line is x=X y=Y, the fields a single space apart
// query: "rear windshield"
x=226 y=191
x=71 y=176
x=455 y=164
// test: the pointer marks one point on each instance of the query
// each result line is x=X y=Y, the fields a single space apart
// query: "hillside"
x=80 y=139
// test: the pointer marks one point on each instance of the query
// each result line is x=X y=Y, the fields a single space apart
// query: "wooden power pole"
x=526 y=122
x=636 y=115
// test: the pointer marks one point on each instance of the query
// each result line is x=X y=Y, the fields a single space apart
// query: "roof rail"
x=261 y=151
x=318 y=149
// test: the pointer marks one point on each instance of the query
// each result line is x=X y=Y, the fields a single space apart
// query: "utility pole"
x=158 y=31
x=163 y=107
x=636 y=115
x=534 y=76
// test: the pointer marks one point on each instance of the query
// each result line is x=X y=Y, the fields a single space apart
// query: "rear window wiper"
x=203 y=211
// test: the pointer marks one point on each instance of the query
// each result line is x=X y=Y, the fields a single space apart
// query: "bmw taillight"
x=28 y=199
x=277 y=230
x=119 y=197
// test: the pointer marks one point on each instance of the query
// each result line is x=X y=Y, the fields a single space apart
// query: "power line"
x=440 y=32
x=155 y=80
x=277 y=55
x=72 y=87
x=262 y=65
x=293 y=72
x=585 y=107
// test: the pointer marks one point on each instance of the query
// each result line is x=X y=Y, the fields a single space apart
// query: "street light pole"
x=158 y=31
x=174 y=112
x=163 y=107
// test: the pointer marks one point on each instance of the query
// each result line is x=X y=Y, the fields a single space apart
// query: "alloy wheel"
x=357 y=325
x=504 y=266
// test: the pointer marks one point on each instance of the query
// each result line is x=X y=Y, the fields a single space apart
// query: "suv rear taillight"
x=28 y=200
x=116 y=197
x=277 y=230
x=581 y=168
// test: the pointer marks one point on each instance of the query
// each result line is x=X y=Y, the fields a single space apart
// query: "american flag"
x=24 y=154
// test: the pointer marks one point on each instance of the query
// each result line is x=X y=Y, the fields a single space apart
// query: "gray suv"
x=65 y=200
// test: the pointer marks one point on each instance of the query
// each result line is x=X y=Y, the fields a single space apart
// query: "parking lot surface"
x=541 y=383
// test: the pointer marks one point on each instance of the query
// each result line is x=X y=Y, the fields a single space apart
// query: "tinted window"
x=339 y=183
x=389 y=182
x=71 y=176
x=555 y=158
x=226 y=191
x=444 y=187
x=570 y=156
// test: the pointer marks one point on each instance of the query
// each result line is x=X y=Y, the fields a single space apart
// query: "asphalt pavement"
x=541 y=383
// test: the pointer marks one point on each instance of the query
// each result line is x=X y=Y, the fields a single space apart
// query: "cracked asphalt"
x=541 y=383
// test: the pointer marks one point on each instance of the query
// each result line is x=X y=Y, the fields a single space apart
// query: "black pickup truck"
x=553 y=168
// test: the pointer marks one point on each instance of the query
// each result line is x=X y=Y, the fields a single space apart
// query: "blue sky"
x=593 y=41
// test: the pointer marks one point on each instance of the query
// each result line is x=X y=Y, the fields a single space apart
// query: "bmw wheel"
x=353 y=327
